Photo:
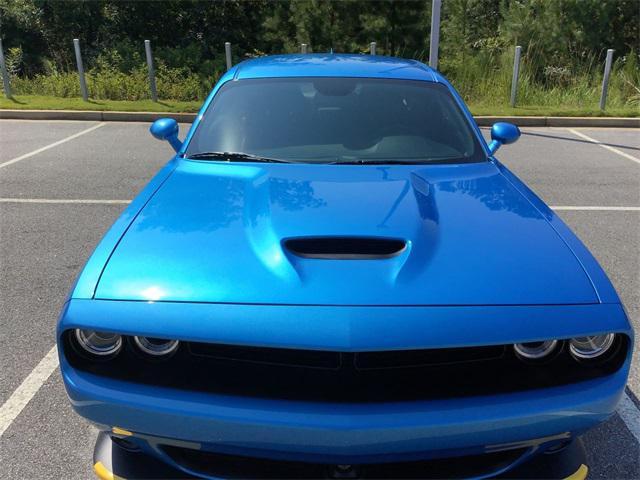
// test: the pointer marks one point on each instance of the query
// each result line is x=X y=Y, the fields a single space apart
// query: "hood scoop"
x=345 y=248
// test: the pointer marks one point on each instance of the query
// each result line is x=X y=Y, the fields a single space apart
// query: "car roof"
x=333 y=65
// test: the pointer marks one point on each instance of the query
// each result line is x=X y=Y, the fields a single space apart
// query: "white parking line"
x=27 y=389
x=600 y=144
x=630 y=415
x=47 y=147
x=64 y=201
x=596 y=208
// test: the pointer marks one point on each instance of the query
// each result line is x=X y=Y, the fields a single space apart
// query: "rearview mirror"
x=503 y=133
x=166 y=129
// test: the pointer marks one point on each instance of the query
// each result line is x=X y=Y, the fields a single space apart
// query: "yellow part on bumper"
x=121 y=431
x=579 y=474
x=103 y=473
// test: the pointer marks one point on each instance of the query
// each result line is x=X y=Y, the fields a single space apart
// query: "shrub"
x=105 y=82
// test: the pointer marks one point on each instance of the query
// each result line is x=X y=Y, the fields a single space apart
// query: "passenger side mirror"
x=503 y=133
x=166 y=129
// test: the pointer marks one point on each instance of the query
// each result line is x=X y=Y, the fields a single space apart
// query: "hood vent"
x=345 y=248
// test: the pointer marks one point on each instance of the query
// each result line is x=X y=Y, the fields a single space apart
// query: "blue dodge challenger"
x=334 y=277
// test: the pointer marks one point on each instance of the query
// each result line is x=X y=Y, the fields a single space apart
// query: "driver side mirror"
x=503 y=133
x=166 y=129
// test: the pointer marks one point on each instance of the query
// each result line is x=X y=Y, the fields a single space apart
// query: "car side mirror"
x=503 y=133
x=166 y=129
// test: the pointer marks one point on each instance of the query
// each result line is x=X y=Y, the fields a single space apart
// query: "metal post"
x=303 y=48
x=516 y=75
x=435 y=33
x=605 y=80
x=83 y=83
x=5 y=74
x=227 y=52
x=372 y=48
x=152 y=72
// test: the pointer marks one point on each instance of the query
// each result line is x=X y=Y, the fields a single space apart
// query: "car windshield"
x=335 y=120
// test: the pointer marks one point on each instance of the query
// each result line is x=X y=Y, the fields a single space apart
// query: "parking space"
x=27 y=136
x=44 y=244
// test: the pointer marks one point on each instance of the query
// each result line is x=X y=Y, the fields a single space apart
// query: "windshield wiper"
x=234 y=156
x=361 y=161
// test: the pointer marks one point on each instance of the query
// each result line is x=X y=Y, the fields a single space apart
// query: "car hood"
x=217 y=232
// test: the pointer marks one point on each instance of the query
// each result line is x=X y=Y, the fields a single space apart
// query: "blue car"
x=334 y=277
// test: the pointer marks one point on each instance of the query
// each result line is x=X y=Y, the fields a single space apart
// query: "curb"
x=482 y=120
x=97 y=116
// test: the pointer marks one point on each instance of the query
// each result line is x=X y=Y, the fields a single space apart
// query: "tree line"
x=191 y=33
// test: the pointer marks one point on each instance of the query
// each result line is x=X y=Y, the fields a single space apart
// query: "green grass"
x=554 y=111
x=36 y=102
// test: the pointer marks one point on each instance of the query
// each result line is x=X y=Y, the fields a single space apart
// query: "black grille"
x=347 y=377
x=433 y=357
x=337 y=360
x=235 y=466
x=268 y=356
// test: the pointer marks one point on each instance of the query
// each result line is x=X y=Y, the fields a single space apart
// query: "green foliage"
x=571 y=30
x=13 y=61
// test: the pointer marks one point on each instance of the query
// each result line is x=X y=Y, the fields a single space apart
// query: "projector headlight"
x=157 y=347
x=535 y=350
x=587 y=348
x=100 y=344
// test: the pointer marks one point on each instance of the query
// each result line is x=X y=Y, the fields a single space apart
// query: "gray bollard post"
x=372 y=48
x=303 y=48
x=83 y=83
x=516 y=75
x=605 y=80
x=5 y=74
x=227 y=52
x=435 y=33
x=152 y=72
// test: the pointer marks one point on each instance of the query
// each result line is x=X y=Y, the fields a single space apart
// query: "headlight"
x=535 y=350
x=102 y=344
x=586 y=348
x=156 y=347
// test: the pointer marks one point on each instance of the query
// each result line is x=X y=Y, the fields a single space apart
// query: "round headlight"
x=156 y=346
x=535 y=350
x=591 y=347
x=101 y=344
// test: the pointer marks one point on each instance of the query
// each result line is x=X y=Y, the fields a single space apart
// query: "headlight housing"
x=98 y=344
x=156 y=347
x=535 y=350
x=591 y=347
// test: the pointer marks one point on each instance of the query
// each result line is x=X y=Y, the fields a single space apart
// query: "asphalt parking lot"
x=62 y=184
